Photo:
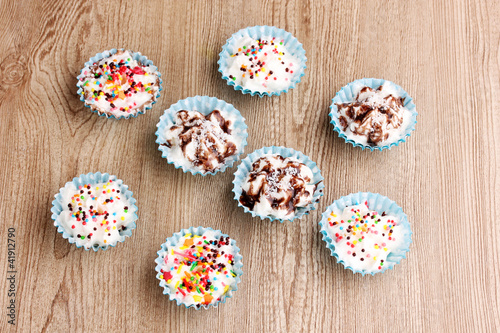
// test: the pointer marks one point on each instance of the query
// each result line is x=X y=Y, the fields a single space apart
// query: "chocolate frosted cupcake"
x=202 y=135
x=119 y=84
x=374 y=114
x=199 y=267
x=262 y=60
x=278 y=183
x=95 y=211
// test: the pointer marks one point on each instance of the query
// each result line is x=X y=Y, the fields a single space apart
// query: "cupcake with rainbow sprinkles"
x=119 y=84
x=95 y=211
x=262 y=60
x=366 y=232
x=199 y=267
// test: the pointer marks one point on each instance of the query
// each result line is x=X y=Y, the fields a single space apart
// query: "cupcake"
x=95 y=211
x=374 y=114
x=278 y=183
x=119 y=84
x=199 y=267
x=202 y=135
x=262 y=60
x=366 y=232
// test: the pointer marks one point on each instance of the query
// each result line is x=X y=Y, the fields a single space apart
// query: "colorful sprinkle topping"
x=95 y=214
x=119 y=85
x=263 y=65
x=199 y=269
x=364 y=238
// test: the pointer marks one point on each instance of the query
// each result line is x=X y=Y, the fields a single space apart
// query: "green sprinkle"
x=198 y=289
x=83 y=237
x=192 y=278
x=126 y=211
x=82 y=197
x=234 y=274
x=110 y=78
x=206 y=242
x=86 y=82
x=193 y=266
x=244 y=47
x=148 y=88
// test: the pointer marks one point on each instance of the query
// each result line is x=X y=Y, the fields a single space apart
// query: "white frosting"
x=376 y=123
x=364 y=238
x=123 y=99
x=186 y=260
x=279 y=189
x=207 y=141
x=105 y=213
x=265 y=68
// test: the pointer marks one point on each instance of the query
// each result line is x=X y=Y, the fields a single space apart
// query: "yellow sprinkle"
x=225 y=289
x=179 y=269
x=123 y=218
x=197 y=298
x=161 y=276
x=104 y=186
x=97 y=188
x=177 y=284
x=169 y=280
x=385 y=249
x=374 y=258
x=334 y=215
x=109 y=191
x=114 y=227
x=187 y=235
x=354 y=242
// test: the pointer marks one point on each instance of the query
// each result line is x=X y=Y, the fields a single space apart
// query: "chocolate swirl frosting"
x=205 y=141
x=277 y=186
x=374 y=114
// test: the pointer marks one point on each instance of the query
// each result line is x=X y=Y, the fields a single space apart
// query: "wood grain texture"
x=446 y=54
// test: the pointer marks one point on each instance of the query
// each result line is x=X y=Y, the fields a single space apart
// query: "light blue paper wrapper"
x=173 y=241
x=246 y=166
x=380 y=204
x=137 y=56
x=93 y=178
x=293 y=46
x=347 y=95
x=204 y=105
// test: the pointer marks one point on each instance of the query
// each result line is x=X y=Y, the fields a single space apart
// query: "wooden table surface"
x=446 y=177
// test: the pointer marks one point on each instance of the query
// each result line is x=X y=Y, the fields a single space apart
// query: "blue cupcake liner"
x=378 y=203
x=93 y=178
x=173 y=241
x=347 y=94
x=245 y=168
x=292 y=44
x=137 y=56
x=204 y=105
